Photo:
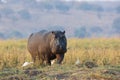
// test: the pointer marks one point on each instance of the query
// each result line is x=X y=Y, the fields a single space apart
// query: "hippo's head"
x=58 y=42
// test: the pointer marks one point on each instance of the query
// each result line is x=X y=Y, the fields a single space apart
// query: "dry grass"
x=13 y=53
x=103 y=52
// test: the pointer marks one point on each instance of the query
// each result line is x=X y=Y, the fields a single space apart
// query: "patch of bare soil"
x=115 y=73
x=64 y=73
x=14 y=78
x=90 y=64
x=32 y=72
x=112 y=72
x=61 y=76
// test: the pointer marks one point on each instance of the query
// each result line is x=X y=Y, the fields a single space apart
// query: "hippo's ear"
x=63 y=32
x=53 y=32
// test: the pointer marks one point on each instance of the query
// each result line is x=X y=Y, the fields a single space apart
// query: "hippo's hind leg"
x=34 y=57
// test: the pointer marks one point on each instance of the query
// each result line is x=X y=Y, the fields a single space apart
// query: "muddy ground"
x=61 y=72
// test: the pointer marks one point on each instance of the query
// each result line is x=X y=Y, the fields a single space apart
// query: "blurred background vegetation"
x=18 y=19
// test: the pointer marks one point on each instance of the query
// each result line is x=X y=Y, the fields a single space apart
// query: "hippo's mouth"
x=57 y=51
x=61 y=51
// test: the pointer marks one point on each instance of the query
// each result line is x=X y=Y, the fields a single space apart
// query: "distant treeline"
x=19 y=18
x=79 y=32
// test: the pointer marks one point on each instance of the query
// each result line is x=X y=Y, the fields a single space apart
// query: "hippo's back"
x=36 y=39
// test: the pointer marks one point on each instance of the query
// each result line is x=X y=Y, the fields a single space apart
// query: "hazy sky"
x=5 y=1
x=90 y=0
x=69 y=15
x=79 y=0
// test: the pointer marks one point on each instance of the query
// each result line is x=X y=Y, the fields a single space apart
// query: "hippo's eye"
x=62 y=37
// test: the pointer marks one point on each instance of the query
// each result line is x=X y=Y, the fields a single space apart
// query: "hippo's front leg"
x=48 y=62
x=59 y=58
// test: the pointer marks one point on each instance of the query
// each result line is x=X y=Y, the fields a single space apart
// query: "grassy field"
x=104 y=54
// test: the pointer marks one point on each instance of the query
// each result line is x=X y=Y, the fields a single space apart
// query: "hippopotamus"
x=47 y=45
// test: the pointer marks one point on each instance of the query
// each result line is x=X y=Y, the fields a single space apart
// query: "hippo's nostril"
x=58 y=46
